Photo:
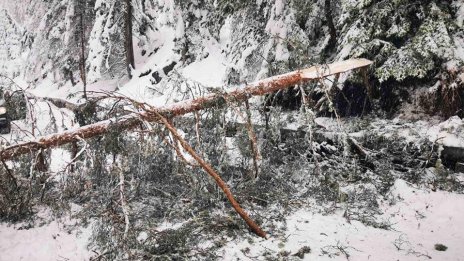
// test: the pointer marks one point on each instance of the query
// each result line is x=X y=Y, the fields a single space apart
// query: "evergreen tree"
x=111 y=40
x=10 y=48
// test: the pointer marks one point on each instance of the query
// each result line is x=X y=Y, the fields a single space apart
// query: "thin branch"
x=179 y=153
x=10 y=175
x=125 y=209
x=253 y=140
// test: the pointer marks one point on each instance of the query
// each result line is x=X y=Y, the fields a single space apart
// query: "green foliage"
x=302 y=11
x=228 y=7
x=406 y=39
x=16 y=106
x=15 y=198
x=377 y=50
x=412 y=65
x=417 y=58
x=20 y=188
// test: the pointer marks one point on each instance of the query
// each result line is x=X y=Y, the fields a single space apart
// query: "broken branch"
x=209 y=169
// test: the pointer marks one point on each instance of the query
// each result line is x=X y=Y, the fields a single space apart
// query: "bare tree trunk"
x=215 y=100
x=330 y=24
x=82 y=53
x=40 y=163
x=74 y=151
x=130 y=63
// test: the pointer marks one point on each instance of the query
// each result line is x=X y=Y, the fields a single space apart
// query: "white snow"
x=276 y=27
x=210 y=71
x=142 y=237
x=233 y=152
x=448 y=133
x=420 y=219
x=460 y=13
x=47 y=242
x=59 y=159
x=225 y=36
x=167 y=225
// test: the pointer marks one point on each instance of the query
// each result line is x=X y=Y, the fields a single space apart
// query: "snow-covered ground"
x=53 y=240
x=419 y=219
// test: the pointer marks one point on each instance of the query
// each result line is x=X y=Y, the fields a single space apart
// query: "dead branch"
x=252 y=137
x=197 y=128
x=59 y=103
x=253 y=140
x=124 y=207
x=178 y=152
x=214 y=100
x=309 y=115
x=357 y=148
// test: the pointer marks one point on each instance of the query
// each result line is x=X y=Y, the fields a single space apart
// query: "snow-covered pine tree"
x=10 y=48
x=111 y=52
x=411 y=42
x=56 y=46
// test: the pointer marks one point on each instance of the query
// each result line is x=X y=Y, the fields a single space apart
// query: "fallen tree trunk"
x=215 y=100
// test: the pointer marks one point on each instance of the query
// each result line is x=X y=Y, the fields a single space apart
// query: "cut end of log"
x=324 y=70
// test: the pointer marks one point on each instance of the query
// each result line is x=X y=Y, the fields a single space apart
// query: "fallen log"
x=215 y=100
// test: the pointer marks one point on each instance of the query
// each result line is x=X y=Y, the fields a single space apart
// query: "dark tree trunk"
x=130 y=63
x=330 y=24
x=41 y=164
x=71 y=78
x=74 y=152
x=82 y=58
x=68 y=73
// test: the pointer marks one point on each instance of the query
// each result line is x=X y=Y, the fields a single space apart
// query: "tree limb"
x=209 y=169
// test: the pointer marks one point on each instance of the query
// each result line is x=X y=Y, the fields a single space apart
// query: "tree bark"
x=215 y=100
x=82 y=51
x=330 y=24
x=130 y=62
